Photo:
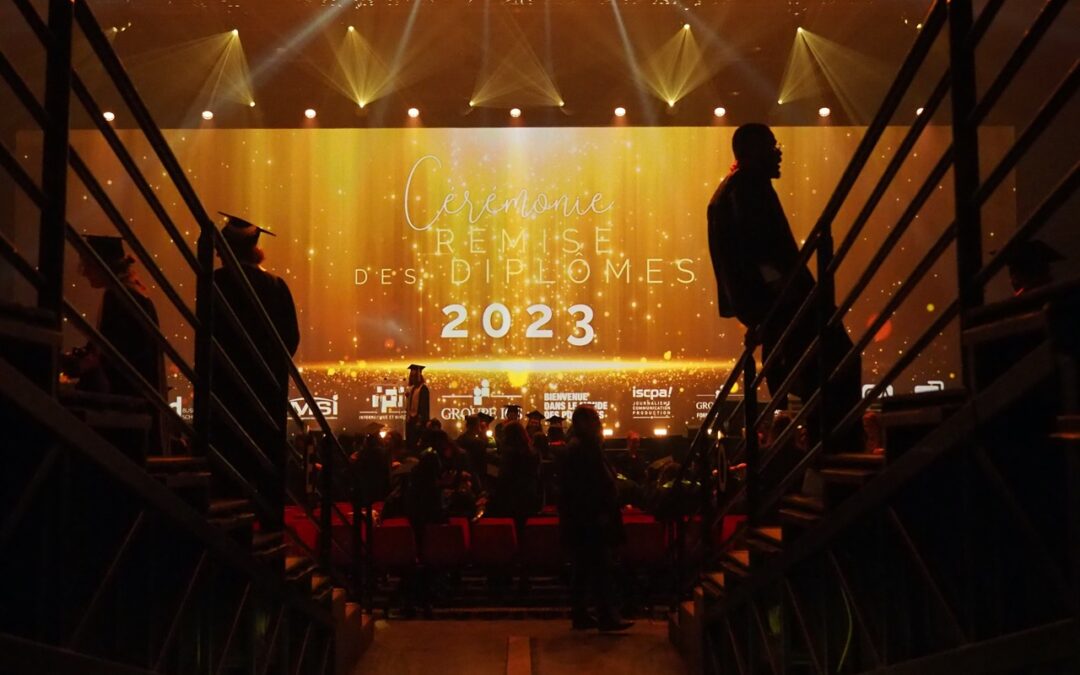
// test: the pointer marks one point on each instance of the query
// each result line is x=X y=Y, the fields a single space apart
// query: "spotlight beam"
x=632 y=62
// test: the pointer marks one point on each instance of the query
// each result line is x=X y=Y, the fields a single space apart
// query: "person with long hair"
x=590 y=524
x=517 y=489
x=119 y=324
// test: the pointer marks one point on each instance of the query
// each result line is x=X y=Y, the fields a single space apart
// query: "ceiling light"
x=109 y=117
x=310 y=113
x=918 y=111
x=235 y=32
x=719 y=111
x=824 y=111
x=207 y=115
x=414 y=112
x=515 y=112
x=620 y=112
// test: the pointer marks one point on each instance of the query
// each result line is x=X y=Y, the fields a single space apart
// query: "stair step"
x=223 y=507
x=799 y=517
x=804 y=503
x=233 y=521
x=735 y=564
x=845 y=476
x=175 y=464
x=767 y=540
x=180 y=481
x=864 y=460
x=1026 y=323
x=1068 y=428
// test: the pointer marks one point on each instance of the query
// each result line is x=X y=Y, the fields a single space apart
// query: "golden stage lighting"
x=620 y=112
x=676 y=68
x=513 y=75
x=824 y=111
x=207 y=115
x=414 y=112
x=818 y=65
x=108 y=115
x=515 y=112
x=719 y=111
x=310 y=113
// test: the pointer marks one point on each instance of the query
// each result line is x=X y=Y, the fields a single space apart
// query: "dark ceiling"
x=745 y=46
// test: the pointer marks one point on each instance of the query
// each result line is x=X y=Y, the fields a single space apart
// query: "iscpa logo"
x=387 y=399
x=327 y=406
x=651 y=393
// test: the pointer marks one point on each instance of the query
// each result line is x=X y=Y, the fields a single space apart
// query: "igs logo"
x=386 y=399
x=327 y=406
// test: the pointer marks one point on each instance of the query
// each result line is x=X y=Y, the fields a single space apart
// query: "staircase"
x=129 y=542
x=956 y=547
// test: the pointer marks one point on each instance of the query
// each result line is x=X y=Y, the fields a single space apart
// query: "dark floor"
x=517 y=647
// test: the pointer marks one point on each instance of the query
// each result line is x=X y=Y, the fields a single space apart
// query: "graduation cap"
x=513 y=408
x=535 y=415
x=555 y=420
x=109 y=247
x=485 y=418
x=374 y=428
x=241 y=233
x=416 y=367
x=1034 y=254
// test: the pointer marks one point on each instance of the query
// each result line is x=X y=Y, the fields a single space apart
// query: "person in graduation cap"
x=556 y=433
x=242 y=238
x=475 y=444
x=534 y=423
x=119 y=324
x=417 y=407
x=1030 y=265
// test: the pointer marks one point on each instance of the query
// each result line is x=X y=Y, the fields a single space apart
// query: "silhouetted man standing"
x=753 y=252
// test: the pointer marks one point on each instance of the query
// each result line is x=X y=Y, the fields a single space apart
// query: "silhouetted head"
x=1030 y=265
x=756 y=149
x=585 y=423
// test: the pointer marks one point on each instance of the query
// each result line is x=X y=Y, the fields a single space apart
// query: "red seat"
x=393 y=544
x=494 y=542
x=446 y=545
x=539 y=545
x=646 y=541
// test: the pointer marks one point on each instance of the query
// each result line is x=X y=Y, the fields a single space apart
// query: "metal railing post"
x=326 y=502
x=750 y=412
x=204 y=341
x=965 y=159
x=54 y=164
x=826 y=302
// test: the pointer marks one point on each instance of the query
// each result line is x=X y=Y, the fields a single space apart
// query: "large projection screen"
x=540 y=266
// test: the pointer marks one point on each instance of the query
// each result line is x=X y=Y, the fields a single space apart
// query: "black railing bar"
x=15 y=259
x=111 y=62
x=28 y=492
x=766 y=644
x=906 y=288
x=22 y=92
x=885 y=249
x=124 y=156
x=789 y=381
x=808 y=640
x=23 y=655
x=856 y=412
x=245 y=439
x=223 y=659
x=903 y=151
x=1021 y=52
x=21 y=178
x=117 y=219
x=1034 y=130
x=106 y=580
x=932 y=26
x=272 y=644
x=221 y=303
x=714 y=411
x=869 y=636
x=174 y=625
x=34 y=20
x=1028 y=137
x=136 y=310
x=800 y=418
x=982 y=405
x=984 y=21
x=1055 y=200
x=214 y=456
x=326 y=656
x=303 y=650
x=251 y=398
x=72 y=432
x=150 y=393
x=232 y=264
